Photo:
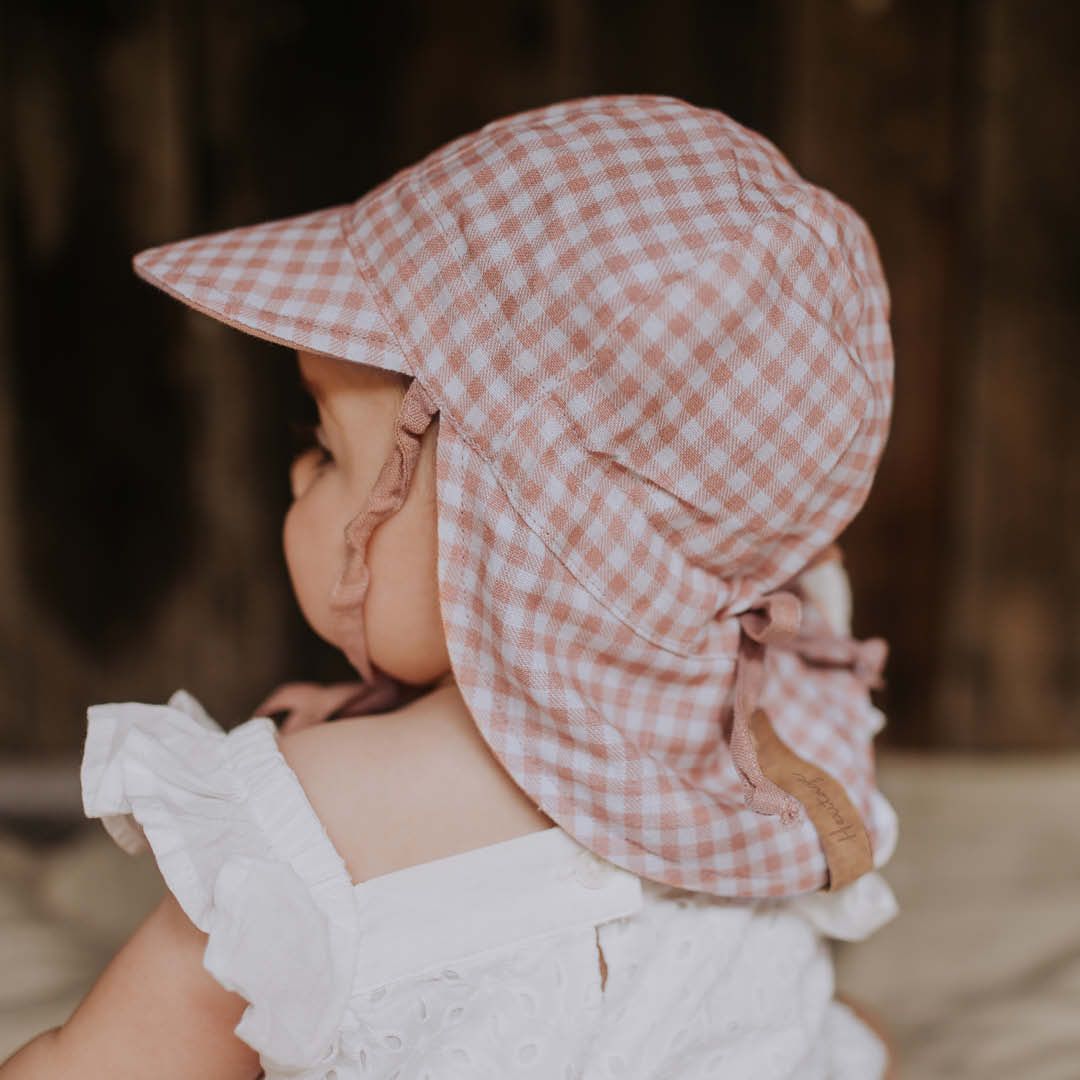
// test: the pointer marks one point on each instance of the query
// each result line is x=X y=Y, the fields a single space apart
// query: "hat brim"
x=293 y=281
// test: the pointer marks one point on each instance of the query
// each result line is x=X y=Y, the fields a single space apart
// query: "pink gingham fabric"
x=664 y=375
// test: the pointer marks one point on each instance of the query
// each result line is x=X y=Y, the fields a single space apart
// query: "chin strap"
x=391 y=487
x=308 y=703
x=776 y=620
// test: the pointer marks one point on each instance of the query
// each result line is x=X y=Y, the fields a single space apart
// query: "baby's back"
x=405 y=787
x=390 y=904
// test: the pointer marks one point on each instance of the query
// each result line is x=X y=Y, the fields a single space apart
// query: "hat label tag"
x=848 y=849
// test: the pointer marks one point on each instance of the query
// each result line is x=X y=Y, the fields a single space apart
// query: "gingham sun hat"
x=663 y=370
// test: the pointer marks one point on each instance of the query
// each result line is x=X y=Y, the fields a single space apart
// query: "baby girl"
x=598 y=387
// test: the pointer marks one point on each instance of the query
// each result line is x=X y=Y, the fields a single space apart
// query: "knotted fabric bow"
x=776 y=620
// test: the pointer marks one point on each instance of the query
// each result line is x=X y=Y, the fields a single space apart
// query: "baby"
x=598 y=387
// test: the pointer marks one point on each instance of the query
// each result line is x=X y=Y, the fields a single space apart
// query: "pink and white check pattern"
x=664 y=372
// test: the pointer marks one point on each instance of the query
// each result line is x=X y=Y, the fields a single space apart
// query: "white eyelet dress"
x=485 y=965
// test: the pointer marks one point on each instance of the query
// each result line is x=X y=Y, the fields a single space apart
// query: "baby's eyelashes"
x=310 y=461
x=311 y=437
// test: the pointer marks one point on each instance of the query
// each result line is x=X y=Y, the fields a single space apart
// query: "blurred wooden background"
x=144 y=448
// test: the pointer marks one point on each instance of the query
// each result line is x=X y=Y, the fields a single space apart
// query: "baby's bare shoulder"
x=406 y=787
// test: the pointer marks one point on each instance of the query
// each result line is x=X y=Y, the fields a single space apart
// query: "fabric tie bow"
x=777 y=620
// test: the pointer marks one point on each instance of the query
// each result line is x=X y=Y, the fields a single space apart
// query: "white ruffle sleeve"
x=240 y=847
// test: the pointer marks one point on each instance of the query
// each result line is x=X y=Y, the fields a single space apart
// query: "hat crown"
x=671 y=348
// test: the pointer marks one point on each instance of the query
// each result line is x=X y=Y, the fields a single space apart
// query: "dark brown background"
x=143 y=469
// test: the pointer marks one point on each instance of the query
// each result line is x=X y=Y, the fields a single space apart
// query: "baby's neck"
x=411 y=694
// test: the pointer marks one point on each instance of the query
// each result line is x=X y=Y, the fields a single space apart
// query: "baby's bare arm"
x=392 y=790
x=154 y=1011
x=36 y=1059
